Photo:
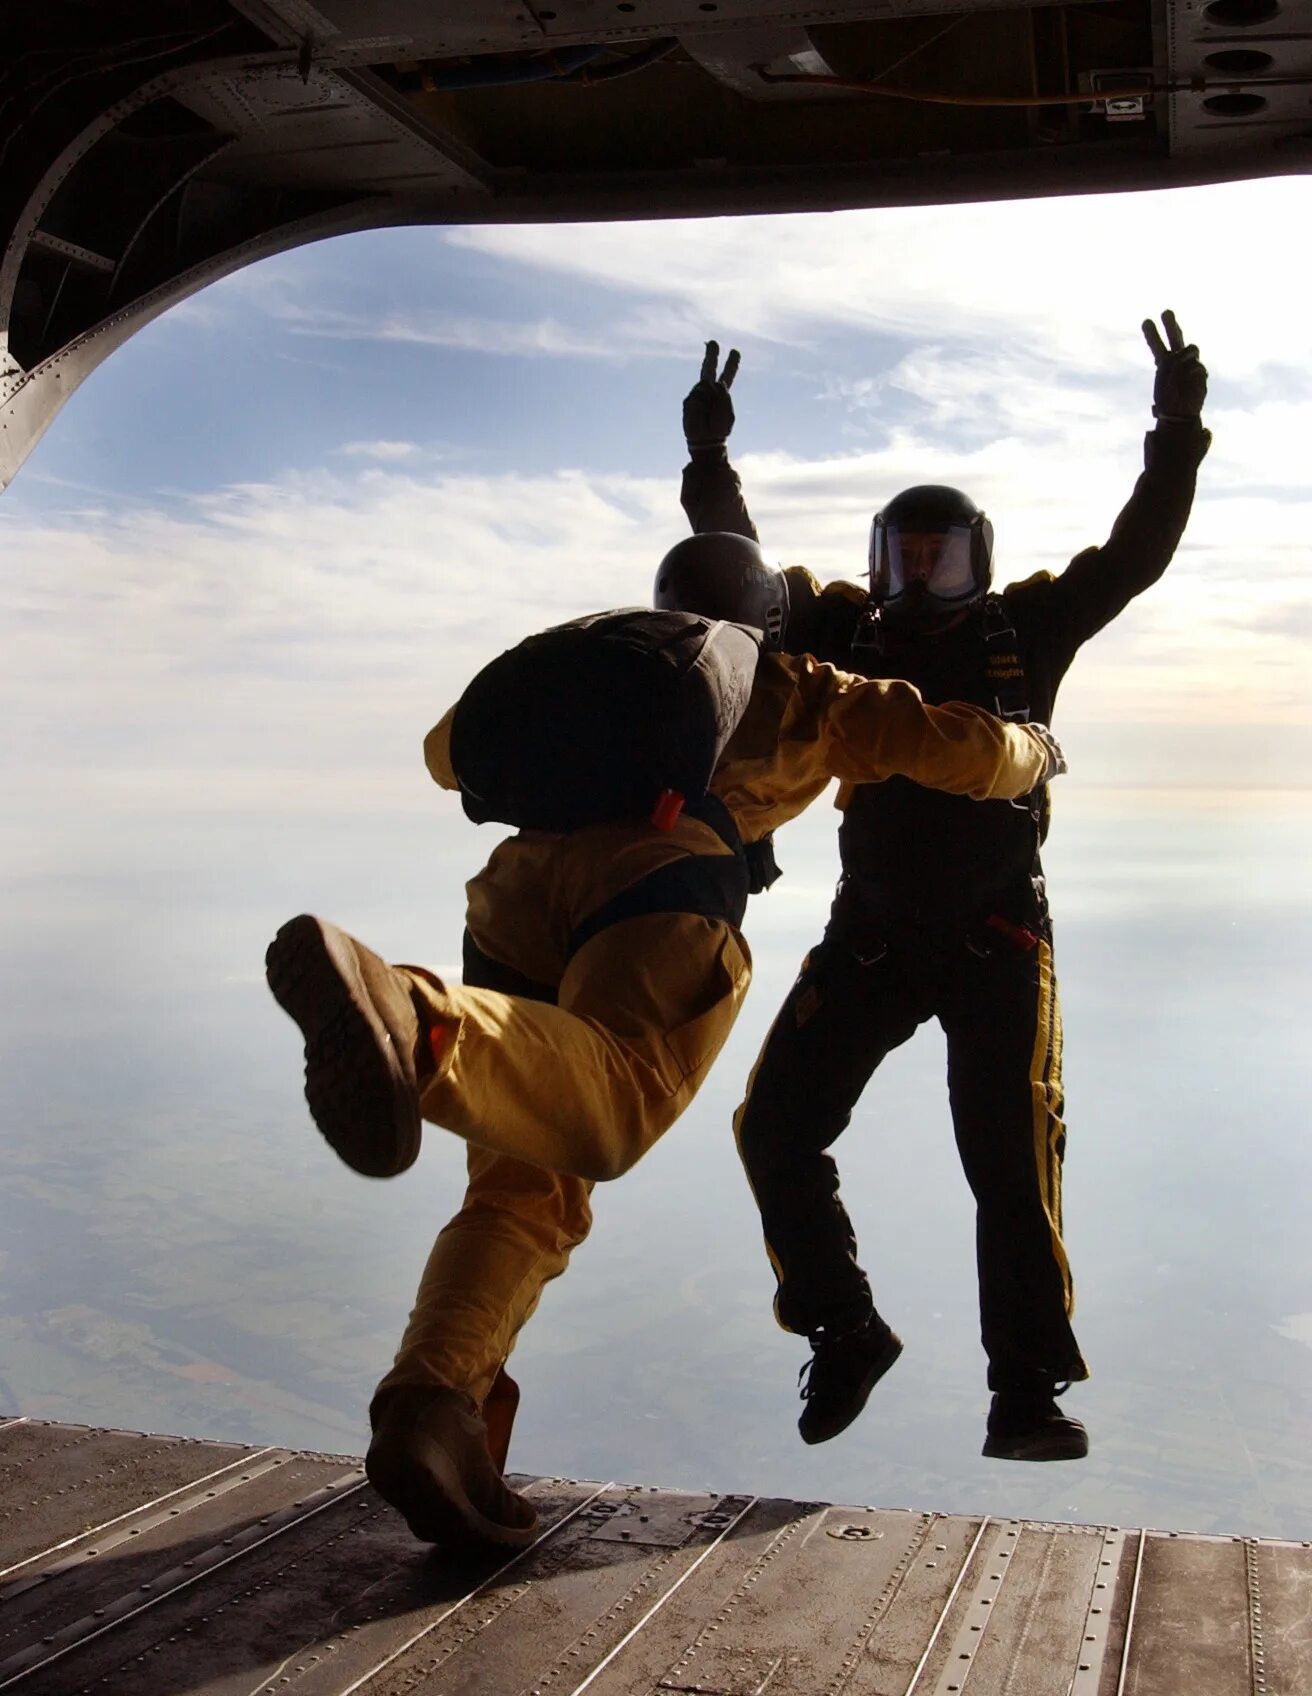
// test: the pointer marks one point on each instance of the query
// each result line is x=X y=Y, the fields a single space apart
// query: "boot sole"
x=880 y=1366
x=428 y=1494
x=1053 y=1445
x=357 y=1086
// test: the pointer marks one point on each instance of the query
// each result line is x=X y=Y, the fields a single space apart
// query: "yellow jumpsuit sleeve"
x=873 y=728
x=437 y=752
x=807 y=723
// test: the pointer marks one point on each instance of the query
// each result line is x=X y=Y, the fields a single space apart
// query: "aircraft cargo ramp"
x=139 y=1565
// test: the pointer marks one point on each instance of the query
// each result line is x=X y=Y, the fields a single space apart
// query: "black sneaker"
x=840 y=1376
x=1028 y=1425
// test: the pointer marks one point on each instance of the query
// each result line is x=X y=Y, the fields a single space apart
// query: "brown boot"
x=429 y=1458
x=362 y=1043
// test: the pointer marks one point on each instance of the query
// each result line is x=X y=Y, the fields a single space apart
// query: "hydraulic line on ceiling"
x=575 y=66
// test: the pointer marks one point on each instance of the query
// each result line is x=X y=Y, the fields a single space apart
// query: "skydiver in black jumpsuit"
x=941 y=913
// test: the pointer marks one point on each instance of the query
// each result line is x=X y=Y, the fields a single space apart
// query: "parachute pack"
x=619 y=715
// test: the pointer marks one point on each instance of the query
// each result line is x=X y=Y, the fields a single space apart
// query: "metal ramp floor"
x=136 y=1565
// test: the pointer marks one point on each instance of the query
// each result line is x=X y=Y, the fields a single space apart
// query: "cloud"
x=640 y=334
x=1058 y=280
x=386 y=452
x=1260 y=449
x=321 y=294
x=271 y=639
x=545 y=336
x=1291 y=618
x=287 y=642
x=1297 y=1327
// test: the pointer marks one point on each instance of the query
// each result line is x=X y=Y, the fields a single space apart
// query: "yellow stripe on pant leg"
x=1046 y=1100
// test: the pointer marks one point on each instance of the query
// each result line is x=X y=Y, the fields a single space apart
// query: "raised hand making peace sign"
x=707 y=409
x=1181 y=384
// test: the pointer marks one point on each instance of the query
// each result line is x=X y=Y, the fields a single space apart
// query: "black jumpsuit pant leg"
x=999 y=1011
x=840 y=1019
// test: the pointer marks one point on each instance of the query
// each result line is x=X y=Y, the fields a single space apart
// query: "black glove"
x=707 y=409
x=1180 y=387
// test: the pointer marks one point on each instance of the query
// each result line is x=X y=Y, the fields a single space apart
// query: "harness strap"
x=868 y=637
x=1003 y=666
x=762 y=867
x=481 y=971
x=711 y=810
x=1005 y=672
x=709 y=886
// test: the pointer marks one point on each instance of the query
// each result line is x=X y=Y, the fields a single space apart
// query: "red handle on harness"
x=1017 y=935
x=665 y=814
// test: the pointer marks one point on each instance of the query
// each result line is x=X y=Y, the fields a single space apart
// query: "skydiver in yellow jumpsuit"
x=604 y=969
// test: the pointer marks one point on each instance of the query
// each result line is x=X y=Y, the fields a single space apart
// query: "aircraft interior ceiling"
x=151 y=146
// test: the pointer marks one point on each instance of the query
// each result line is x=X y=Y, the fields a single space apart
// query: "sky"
x=383 y=456
x=262 y=549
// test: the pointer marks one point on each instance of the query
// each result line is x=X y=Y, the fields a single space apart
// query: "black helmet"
x=721 y=575
x=953 y=571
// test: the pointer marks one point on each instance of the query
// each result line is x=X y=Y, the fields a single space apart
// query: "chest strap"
x=1004 y=670
x=1005 y=674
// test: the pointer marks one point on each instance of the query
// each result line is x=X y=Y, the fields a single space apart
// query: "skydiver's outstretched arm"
x=875 y=728
x=1099 y=583
x=712 y=496
x=712 y=493
x=808 y=723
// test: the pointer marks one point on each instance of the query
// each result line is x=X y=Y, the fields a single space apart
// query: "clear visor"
x=942 y=561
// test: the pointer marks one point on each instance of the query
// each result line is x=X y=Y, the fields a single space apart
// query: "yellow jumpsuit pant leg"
x=587 y=1086
x=536 y=1089
x=513 y=1234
